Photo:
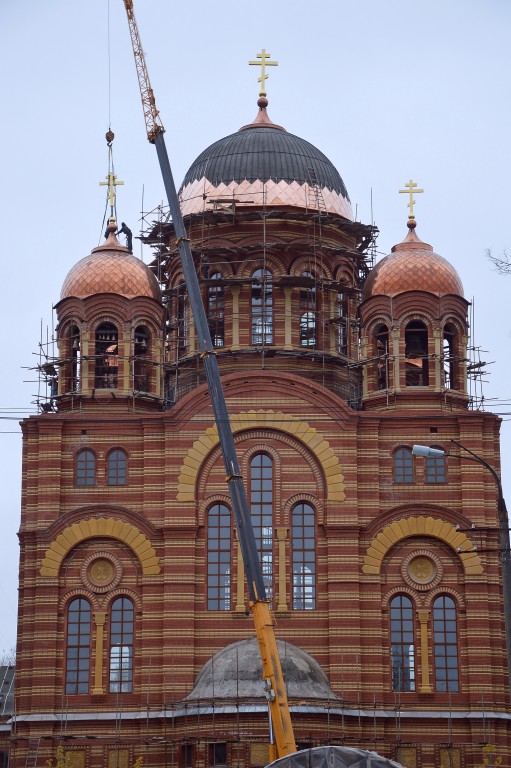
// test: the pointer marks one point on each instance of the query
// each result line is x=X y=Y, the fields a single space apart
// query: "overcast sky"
x=387 y=90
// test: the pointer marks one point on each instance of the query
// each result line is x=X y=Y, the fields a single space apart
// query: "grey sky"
x=387 y=90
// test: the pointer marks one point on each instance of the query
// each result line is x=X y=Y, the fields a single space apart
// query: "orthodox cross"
x=410 y=190
x=263 y=64
x=111 y=182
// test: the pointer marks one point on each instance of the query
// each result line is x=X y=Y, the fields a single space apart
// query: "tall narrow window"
x=434 y=469
x=216 y=306
x=78 y=647
x=261 y=509
x=403 y=466
x=181 y=317
x=308 y=311
x=219 y=558
x=121 y=646
x=218 y=753
x=381 y=341
x=116 y=467
x=304 y=557
x=445 y=634
x=448 y=357
x=106 y=356
x=416 y=354
x=262 y=307
x=402 y=645
x=342 y=323
x=186 y=756
x=85 y=467
x=75 y=358
x=141 y=360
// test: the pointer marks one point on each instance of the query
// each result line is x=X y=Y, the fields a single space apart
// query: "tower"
x=134 y=637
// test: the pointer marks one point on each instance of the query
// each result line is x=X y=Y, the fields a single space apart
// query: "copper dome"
x=412 y=266
x=110 y=268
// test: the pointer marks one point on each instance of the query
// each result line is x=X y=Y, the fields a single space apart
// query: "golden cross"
x=111 y=182
x=411 y=189
x=263 y=63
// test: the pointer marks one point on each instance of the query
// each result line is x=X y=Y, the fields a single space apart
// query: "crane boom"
x=259 y=607
x=153 y=123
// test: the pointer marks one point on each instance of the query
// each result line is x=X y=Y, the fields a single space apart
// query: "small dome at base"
x=236 y=672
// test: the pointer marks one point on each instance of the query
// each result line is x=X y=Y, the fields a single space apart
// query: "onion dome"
x=412 y=266
x=264 y=164
x=236 y=672
x=111 y=268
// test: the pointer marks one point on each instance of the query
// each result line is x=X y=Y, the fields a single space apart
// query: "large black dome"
x=264 y=154
x=263 y=164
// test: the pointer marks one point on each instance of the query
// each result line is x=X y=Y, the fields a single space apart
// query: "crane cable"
x=109 y=134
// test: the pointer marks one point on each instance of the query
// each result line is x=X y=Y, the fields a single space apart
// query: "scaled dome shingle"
x=110 y=268
x=412 y=266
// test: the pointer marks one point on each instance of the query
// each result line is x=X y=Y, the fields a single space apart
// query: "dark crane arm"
x=264 y=625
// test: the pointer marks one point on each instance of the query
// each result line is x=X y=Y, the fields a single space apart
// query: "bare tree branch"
x=502 y=265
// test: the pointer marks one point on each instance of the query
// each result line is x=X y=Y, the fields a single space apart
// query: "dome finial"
x=411 y=188
x=263 y=63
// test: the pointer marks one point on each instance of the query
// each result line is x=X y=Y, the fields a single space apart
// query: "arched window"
x=216 y=307
x=85 y=467
x=141 y=359
x=261 y=509
x=445 y=637
x=342 y=323
x=116 y=467
x=304 y=557
x=381 y=342
x=403 y=466
x=402 y=644
x=106 y=356
x=416 y=354
x=73 y=336
x=121 y=646
x=262 y=307
x=78 y=647
x=435 y=469
x=308 y=311
x=219 y=558
x=449 y=368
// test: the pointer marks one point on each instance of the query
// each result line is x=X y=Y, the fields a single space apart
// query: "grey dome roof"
x=264 y=154
x=334 y=757
x=236 y=672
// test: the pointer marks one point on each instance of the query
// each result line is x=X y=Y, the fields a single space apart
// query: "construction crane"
x=282 y=741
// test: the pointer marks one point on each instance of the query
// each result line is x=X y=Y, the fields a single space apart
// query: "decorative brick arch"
x=100 y=526
x=422 y=526
x=274 y=420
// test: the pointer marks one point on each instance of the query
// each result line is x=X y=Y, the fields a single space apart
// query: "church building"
x=382 y=565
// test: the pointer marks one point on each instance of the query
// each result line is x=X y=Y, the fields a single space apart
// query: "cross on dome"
x=411 y=188
x=263 y=64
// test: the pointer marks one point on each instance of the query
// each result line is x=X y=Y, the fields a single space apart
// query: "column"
x=281 y=597
x=423 y=620
x=99 y=620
